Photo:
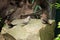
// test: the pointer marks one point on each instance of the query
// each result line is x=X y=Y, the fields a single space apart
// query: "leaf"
x=57 y=5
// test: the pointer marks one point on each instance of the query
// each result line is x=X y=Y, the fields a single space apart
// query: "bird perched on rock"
x=26 y=20
x=44 y=18
x=9 y=23
x=7 y=18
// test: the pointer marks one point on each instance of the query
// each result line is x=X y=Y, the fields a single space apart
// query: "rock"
x=8 y=37
x=1 y=37
x=34 y=30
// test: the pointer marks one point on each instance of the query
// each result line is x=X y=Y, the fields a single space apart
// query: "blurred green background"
x=57 y=29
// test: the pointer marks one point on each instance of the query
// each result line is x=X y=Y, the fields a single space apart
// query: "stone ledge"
x=34 y=30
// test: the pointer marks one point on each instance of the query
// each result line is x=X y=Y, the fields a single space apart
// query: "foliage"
x=57 y=5
x=58 y=25
x=58 y=37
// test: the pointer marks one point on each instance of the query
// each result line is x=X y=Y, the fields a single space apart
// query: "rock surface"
x=1 y=37
x=34 y=30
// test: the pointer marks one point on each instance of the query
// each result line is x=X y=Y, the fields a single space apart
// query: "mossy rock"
x=34 y=29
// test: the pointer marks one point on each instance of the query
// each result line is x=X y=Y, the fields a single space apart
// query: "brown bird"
x=44 y=18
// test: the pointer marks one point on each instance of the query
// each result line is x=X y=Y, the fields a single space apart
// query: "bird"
x=26 y=20
x=9 y=23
